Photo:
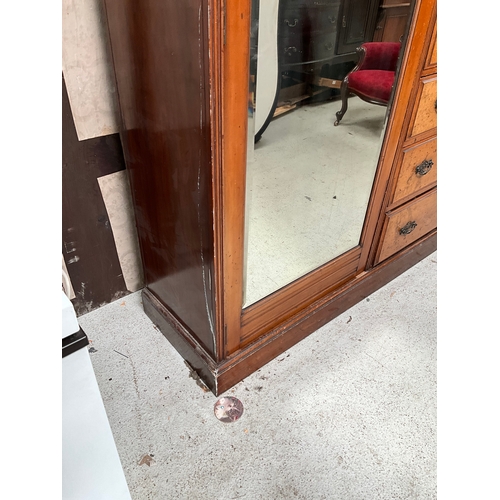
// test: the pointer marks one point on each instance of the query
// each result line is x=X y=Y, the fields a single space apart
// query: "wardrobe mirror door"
x=310 y=171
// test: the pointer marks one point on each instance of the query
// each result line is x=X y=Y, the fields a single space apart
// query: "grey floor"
x=349 y=413
x=308 y=187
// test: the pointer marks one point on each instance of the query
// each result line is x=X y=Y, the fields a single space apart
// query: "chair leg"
x=344 y=93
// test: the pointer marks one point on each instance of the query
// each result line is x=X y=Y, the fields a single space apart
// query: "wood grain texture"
x=88 y=246
x=216 y=45
x=406 y=94
x=426 y=107
x=221 y=376
x=236 y=63
x=278 y=307
x=160 y=55
x=276 y=342
x=183 y=82
x=409 y=182
x=422 y=212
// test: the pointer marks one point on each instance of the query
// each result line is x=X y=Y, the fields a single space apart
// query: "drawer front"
x=301 y=50
x=426 y=112
x=418 y=169
x=408 y=224
x=305 y=22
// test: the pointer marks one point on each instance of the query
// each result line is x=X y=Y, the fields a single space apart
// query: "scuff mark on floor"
x=147 y=460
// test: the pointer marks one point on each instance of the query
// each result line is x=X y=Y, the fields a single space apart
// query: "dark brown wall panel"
x=88 y=246
x=168 y=153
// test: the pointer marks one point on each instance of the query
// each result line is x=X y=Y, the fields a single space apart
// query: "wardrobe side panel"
x=160 y=57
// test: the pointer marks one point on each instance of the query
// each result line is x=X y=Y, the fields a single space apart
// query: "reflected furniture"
x=392 y=18
x=316 y=41
x=411 y=199
x=182 y=76
x=372 y=78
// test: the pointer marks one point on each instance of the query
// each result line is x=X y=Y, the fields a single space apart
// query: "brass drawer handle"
x=295 y=21
x=329 y=46
x=290 y=50
x=424 y=167
x=408 y=228
x=332 y=20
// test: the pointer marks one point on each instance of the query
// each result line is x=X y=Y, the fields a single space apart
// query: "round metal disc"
x=228 y=409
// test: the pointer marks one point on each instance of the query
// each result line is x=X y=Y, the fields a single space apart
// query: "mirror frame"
x=279 y=311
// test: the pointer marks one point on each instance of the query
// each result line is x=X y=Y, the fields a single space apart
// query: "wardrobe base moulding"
x=219 y=377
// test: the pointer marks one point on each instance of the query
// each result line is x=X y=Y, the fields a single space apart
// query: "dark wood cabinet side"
x=161 y=67
x=184 y=101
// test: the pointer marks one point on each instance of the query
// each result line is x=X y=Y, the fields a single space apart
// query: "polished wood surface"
x=182 y=75
x=182 y=339
x=407 y=95
x=249 y=359
x=404 y=97
x=234 y=140
x=164 y=91
x=278 y=307
x=419 y=217
x=426 y=110
x=222 y=376
x=418 y=170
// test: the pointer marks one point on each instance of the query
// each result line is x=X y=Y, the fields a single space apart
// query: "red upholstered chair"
x=373 y=77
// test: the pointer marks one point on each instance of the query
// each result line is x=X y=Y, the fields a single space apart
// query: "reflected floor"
x=308 y=185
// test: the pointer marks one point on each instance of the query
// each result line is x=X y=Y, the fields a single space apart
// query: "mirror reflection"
x=321 y=79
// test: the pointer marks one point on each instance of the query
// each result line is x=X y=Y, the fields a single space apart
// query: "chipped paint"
x=69 y=246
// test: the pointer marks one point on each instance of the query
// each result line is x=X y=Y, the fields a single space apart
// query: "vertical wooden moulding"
x=215 y=47
x=236 y=60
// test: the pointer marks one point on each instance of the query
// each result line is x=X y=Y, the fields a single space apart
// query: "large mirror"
x=322 y=74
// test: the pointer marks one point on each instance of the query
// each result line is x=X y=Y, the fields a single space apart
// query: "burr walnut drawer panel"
x=408 y=223
x=425 y=116
x=418 y=169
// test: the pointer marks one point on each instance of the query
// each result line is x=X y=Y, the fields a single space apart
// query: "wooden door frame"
x=230 y=38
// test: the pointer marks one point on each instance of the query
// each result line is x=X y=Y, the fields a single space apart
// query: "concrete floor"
x=349 y=413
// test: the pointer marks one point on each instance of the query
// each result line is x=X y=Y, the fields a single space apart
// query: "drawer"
x=408 y=223
x=309 y=20
x=297 y=50
x=425 y=116
x=418 y=169
x=295 y=27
